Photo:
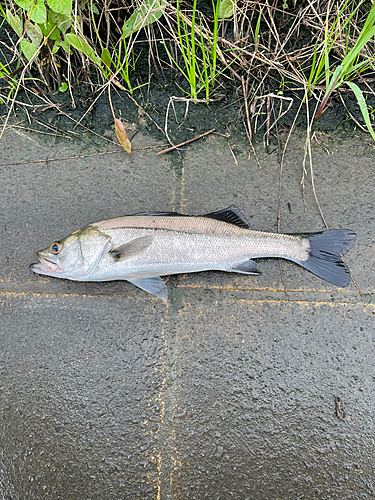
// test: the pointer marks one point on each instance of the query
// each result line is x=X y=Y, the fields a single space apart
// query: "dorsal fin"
x=231 y=215
x=172 y=214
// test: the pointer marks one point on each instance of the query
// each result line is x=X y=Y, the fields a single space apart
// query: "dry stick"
x=175 y=114
x=185 y=142
x=91 y=105
x=316 y=13
x=275 y=31
x=110 y=100
x=72 y=157
x=166 y=120
x=253 y=107
x=234 y=156
x=277 y=132
x=28 y=115
x=4 y=98
x=244 y=91
x=88 y=130
x=268 y=120
x=69 y=84
x=366 y=82
x=9 y=127
x=49 y=127
x=248 y=127
x=273 y=96
x=58 y=159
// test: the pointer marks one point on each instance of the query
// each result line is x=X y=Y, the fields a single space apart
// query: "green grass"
x=199 y=64
x=353 y=64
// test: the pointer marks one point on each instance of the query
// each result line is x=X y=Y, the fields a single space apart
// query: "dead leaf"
x=122 y=136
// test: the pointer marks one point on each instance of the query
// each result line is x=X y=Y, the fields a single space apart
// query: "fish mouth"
x=44 y=266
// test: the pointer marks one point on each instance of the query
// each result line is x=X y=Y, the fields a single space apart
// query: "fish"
x=141 y=248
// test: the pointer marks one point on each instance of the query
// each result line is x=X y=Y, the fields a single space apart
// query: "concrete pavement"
x=237 y=387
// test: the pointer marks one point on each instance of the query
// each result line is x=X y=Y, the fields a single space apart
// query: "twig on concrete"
x=185 y=142
x=234 y=156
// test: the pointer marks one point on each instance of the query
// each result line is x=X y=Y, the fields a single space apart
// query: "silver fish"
x=142 y=247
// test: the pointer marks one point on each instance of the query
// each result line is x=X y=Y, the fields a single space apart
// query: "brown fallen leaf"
x=122 y=136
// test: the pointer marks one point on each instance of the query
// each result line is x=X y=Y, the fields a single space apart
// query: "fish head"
x=74 y=257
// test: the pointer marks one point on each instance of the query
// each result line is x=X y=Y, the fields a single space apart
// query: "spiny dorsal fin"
x=172 y=214
x=231 y=215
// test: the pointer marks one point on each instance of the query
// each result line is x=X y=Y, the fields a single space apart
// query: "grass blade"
x=257 y=28
x=362 y=104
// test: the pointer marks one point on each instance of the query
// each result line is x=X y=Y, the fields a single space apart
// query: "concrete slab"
x=254 y=399
x=227 y=390
x=81 y=378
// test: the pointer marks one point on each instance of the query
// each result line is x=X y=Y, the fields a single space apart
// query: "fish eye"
x=55 y=247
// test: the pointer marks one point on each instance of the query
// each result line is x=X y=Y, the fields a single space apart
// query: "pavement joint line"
x=229 y=288
x=162 y=400
x=280 y=290
x=15 y=293
x=183 y=201
x=307 y=302
x=73 y=294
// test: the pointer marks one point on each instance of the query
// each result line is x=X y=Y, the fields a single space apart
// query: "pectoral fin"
x=131 y=249
x=154 y=285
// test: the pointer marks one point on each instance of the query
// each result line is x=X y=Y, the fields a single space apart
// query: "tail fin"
x=324 y=260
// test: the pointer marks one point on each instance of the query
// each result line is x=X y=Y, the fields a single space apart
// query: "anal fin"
x=154 y=285
x=248 y=267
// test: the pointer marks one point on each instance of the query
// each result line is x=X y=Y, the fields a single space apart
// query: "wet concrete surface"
x=237 y=387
